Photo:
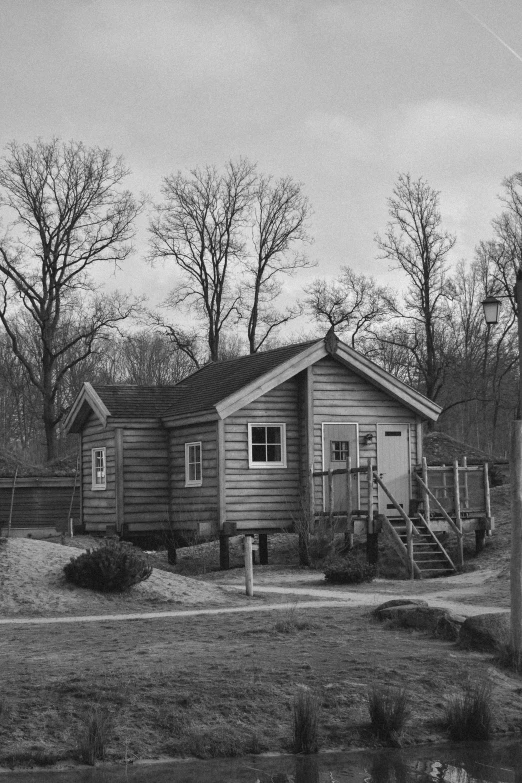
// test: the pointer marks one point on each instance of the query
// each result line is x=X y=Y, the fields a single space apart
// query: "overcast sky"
x=341 y=95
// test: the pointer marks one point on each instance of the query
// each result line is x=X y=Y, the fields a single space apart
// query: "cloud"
x=186 y=39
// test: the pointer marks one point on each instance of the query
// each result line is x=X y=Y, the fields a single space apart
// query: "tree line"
x=234 y=235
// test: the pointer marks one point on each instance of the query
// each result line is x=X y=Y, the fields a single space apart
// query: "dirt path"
x=324 y=598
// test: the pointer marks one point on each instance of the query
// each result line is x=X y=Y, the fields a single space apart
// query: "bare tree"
x=200 y=225
x=279 y=222
x=69 y=213
x=416 y=243
x=352 y=303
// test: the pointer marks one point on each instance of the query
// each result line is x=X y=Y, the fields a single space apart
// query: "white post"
x=249 y=568
x=71 y=527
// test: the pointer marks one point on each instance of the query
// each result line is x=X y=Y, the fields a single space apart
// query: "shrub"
x=291 y=621
x=389 y=712
x=306 y=722
x=349 y=570
x=469 y=716
x=113 y=567
x=96 y=730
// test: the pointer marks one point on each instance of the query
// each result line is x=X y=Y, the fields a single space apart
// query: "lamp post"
x=491 y=307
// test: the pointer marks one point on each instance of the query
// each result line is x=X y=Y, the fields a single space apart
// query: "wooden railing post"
x=348 y=536
x=409 y=546
x=330 y=499
x=466 y=488
x=426 y=496
x=369 y=476
x=487 y=499
x=458 y=519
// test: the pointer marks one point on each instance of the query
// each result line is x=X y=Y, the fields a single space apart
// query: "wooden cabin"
x=233 y=447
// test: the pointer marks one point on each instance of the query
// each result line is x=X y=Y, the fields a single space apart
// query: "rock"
x=424 y=618
x=398 y=602
x=485 y=631
x=448 y=627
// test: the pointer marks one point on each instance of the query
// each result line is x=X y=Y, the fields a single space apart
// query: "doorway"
x=340 y=441
x=393 y=465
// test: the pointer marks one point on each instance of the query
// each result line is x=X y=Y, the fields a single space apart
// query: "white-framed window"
x=99 y=472
x=193 y=464
x=266 y=445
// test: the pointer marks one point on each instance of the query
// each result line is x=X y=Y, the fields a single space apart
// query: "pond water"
x=466 y=763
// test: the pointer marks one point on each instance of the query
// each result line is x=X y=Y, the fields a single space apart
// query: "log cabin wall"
x=264 y=498
x=193 y=505
x=145 y=475
x=99 y=505
x=340 y=395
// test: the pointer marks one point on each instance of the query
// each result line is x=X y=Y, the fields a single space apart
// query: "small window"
x=267 y=445
x=99 y=479
x=193 y=465
x=340 y=450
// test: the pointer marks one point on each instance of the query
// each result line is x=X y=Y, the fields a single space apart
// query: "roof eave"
x=268 y=381
x=179 y=420
x=76 y=418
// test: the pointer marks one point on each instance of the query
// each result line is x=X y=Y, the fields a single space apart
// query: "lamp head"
x=491 y=306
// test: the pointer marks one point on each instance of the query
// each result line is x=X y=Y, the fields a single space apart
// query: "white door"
x=393 y=465
x=339 y=443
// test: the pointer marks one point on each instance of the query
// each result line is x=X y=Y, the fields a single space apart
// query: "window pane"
x=273 y=434
x=258 y=434
x=258 y=453
x=273 y=453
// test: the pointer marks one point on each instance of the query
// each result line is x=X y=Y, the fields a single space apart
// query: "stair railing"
x=410 y=527
x=401 y=550
x=458 y=532
x=436 y=541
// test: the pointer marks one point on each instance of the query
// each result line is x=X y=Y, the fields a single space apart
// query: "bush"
x=112 y=568
x=468 y=716
x=349 y=570
x=306 y=723
x=389 y=712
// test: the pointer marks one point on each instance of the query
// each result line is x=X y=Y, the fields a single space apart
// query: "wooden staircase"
x=430 y=557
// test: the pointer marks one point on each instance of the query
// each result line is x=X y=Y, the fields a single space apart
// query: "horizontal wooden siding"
x=264 y=498
x=342 y=396
x=99 y=506
x=193 y=505
x=38 y=503
x=145 y=475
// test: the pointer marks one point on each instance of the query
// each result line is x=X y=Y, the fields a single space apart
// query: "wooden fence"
x=38 y=505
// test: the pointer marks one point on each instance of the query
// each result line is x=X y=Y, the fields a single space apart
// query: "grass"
x=291 y=621
x=469 y=715
x=94 y=737
x=305 y=722
x=389 y=711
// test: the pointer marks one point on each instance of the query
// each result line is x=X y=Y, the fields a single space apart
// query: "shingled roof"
x=141 y=402
x=216 y=381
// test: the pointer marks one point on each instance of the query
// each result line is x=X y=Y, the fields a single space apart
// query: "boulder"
x=485 y=631
x=423 y=618
x=448 y=627
x=397 y=602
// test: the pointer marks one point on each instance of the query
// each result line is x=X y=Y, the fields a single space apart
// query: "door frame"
x=337 y=423
x=406 y=424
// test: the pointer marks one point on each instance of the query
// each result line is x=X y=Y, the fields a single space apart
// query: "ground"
x=223 y=684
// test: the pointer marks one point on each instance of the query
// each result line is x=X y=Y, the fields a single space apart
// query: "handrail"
x=441 y=507
x=401 y=549
x=395 y=503
x=436 y=540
